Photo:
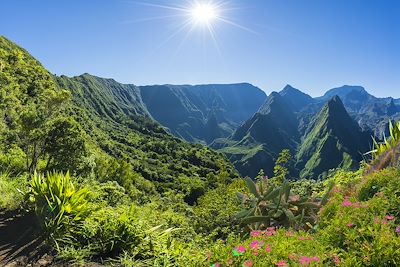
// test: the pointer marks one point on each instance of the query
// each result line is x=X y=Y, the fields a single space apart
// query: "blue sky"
x=313 y=45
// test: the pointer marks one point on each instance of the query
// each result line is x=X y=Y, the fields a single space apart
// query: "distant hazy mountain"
x=202 y=113
x=296 y=98
x=371 y=113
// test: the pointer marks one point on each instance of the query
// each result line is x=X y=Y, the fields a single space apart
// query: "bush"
x=59 y=207
x=10 y=188
x=109 y=232
x=210 y=218
x=363 y=224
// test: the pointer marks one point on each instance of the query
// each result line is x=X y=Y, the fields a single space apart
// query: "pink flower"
x=346 y=202
x=350 y=225
x=248 y=263
x=398 y=230
x=216 y=265
x=255 y=233
x=376 y=220
x=241 y=249
x=255 y=253
x=268 y=249
x=269 y=233
x=289 y=234
x=254 y=245
x=389 y=217
x=336 y=260
x=282 y=264
x=304 y=261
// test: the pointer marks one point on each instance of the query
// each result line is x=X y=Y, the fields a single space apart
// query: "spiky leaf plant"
x=271 y=205
x=386 y=153
x=59 y=206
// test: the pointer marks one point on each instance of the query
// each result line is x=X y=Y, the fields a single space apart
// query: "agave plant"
x=386 y=153
x=57 y=204
x=387 y=144
x=271 y=205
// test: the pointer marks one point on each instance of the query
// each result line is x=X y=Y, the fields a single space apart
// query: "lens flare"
x=204 y=13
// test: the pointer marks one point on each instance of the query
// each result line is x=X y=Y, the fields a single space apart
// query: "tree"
x=64 y=145
x=33 y=122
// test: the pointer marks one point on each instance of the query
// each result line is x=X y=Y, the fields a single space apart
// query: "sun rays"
x=195 y=16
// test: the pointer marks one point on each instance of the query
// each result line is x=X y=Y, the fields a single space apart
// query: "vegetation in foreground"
x=86 y=221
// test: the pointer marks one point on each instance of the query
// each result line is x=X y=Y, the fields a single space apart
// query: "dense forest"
x=89 y=178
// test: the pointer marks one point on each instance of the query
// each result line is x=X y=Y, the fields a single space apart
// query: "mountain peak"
x=335 y=107
x=295 y=98
x=335 y=101
x=274 y=102
x=346 y=90
x=289 y=88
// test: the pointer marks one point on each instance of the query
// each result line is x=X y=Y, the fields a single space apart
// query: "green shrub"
x=210 y=218
x=10 y=191
x=385 y=184
x=364 y=231
x=109 y=232
x=59 y=207
x=12 y=160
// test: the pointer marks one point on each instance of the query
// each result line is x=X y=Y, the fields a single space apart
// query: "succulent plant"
x=271 y=205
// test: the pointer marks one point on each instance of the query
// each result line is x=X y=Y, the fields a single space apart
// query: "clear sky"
x=313 y=45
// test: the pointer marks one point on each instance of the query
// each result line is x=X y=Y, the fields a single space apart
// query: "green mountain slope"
x=256 y=144
x=320 y=142
x=202 y=113
x=332 y=140
x=122 y=142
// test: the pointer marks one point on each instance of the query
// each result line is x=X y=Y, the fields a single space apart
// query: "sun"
x=204 y=13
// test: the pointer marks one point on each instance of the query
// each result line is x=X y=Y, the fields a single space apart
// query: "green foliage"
x=210 y=218
x=384 y=184
x=281 y=170
x=109 y=232
x=64 y=145
x=59 y=207
x=12 y=160
x=271 y=205
x=10 y=191
x=386 y=154
x=364 y=231
x=393 y=141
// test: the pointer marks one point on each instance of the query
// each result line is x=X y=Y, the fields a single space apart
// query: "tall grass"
x=10 y=191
